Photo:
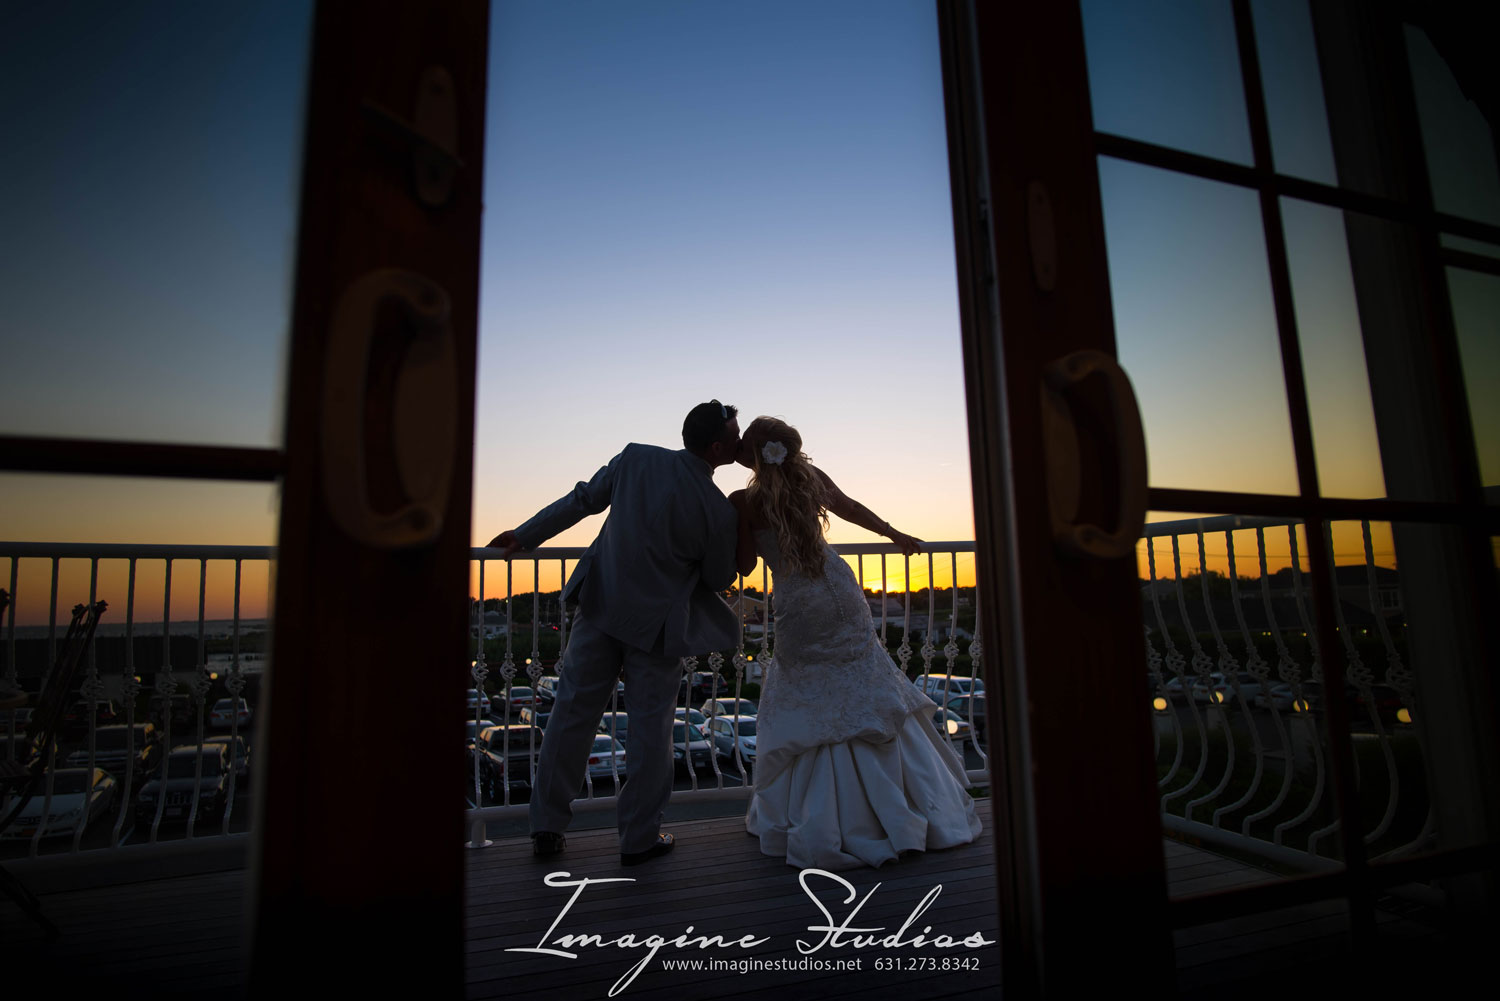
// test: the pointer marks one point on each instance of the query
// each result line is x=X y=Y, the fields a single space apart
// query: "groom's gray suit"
x=647 y=596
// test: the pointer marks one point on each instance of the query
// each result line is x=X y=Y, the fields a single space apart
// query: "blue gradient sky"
x=747 y=202
x=683 y=200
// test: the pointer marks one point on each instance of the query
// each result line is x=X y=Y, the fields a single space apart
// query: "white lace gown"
x=850 y=770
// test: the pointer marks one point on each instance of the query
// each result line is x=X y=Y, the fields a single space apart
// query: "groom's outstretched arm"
x=585 y=499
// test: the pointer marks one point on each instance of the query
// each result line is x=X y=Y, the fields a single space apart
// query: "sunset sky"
x=683 y=201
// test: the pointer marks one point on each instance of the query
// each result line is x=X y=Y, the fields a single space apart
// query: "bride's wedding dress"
x=850 y=770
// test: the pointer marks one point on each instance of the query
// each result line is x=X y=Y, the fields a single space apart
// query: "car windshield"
x=520 y=692
x=604 y=742
x=693 y=732
x=69 y=782
x=744 y=727
x=182 y=766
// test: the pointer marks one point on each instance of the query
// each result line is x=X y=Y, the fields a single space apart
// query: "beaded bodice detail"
x=830 y=679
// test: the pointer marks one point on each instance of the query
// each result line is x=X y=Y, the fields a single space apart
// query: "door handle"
x=1064 y=458
x=424 y=417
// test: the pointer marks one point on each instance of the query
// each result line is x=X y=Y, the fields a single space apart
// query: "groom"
x=647 y=596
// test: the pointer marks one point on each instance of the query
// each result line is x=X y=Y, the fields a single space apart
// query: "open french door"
x=1061 y=484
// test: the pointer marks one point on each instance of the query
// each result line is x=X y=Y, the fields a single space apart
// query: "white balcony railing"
x=519 y=653
x=1237 y=763
x=1238 y=694
x=127 y=806
x=145 y=666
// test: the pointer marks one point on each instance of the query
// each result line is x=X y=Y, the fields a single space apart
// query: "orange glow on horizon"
x=32 y=596
x=1348 y=548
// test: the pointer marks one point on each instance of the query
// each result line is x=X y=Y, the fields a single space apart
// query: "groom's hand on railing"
x=508 y=542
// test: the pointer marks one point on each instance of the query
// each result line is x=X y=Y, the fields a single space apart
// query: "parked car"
x=118 y=744
x=14 y=748
x=176 y=709
x=972 y=709
x=1388 y=705
x=479 y=703
x=951 y=724
x=606 y=758
x=690 y=745
x=728 y=707
x=239 y=755
x=616 y=724
x=1222 y=691
x=519 y=697
x=19 y=717
x=473 y=727
x=1283 y=697
x=940 y=686
x=1202 y=689
x=1175 y=689
x=227 y=712
x=693 y=716
x=505 y=757
x=704 y=684
x=535 y=717
x=734 y=732
x=189 y=770
x=546 y=688
x=75 y=791
x=75 y=719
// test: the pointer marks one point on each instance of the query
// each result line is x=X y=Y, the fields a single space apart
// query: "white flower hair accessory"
x=773 y=452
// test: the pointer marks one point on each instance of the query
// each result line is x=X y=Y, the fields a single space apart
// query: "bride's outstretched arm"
x=853 y=511
x=744 y=554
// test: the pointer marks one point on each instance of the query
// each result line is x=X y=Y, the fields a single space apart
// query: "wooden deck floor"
x=719 y=882
x=181 y=934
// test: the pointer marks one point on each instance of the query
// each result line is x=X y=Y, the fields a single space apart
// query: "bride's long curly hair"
x=788 y=496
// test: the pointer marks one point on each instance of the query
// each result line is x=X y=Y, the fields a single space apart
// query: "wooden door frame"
x=357 y=867
x=1079 y=856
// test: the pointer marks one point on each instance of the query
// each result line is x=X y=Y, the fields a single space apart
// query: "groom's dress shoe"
x=545 y=843
x=664 y=843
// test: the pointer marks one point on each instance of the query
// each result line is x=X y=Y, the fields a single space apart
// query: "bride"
x=850 y=770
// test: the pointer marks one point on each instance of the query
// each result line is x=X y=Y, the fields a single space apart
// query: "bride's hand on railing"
x=908 y=544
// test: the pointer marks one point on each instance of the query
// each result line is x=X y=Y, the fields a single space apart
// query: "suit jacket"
x=666 y=549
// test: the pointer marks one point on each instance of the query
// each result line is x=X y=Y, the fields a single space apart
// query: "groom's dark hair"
x=704 y=424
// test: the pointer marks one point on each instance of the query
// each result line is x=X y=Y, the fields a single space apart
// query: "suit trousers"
x=592 y=663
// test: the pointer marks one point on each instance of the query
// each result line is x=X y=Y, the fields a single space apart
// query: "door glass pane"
x=1424 y=747
x=1384 y=724
x=1459 y=142
x=1167 y=72
x=1293 y=90
x=1234 y=680
x=1196 y=329
x=1333 y=354
x=185 y=569
x=151 y=179
x=1476 y=318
